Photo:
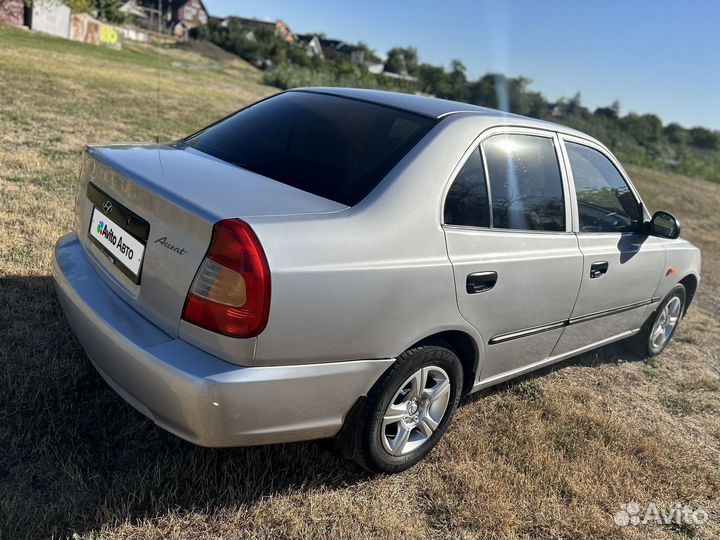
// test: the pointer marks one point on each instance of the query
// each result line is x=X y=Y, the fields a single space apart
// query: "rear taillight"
x=231 y=291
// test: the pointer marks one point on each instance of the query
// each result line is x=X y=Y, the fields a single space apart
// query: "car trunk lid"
x=179 y=193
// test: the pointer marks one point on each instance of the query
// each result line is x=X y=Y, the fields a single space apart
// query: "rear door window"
x=526 y=187
x=334 y=147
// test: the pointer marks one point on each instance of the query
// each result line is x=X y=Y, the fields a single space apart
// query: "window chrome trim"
x=472 y=228
x=574 y=212
x=488 y=187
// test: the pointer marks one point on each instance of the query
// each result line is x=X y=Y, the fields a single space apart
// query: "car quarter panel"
x=373 y=280
x=194 y=394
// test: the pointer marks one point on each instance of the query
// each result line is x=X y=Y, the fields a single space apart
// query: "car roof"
x=438 y=108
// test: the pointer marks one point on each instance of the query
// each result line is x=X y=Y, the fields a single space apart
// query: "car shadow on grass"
x=612 y=354
x=74 y=456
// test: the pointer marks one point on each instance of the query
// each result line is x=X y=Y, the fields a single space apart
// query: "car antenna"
x=159 y=13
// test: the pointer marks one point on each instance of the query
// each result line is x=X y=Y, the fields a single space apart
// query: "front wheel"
x=409 y=409
x=661 y=325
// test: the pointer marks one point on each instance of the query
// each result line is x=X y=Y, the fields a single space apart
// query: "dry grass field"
x=552 y=455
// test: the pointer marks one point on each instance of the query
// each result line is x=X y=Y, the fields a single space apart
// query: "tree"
x=433 y=80
x=704 y=138
x=110 y=10
x=395 y=62
x=410 y=56
x=676 y=134
x=646 y=128
x=612 y=112
x=575 y=104
x=369 y=56
x=457 y=81
x=403 y=60
x=482 y=92
x=80 y=6
x=606 y=112
x=537 y=106
x=497 y=91
x=518 y=95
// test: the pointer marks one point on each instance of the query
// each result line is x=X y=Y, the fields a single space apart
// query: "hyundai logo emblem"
x=107 y=207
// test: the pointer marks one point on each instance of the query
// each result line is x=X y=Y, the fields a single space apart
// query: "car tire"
x=660 y=327
x=409 y=409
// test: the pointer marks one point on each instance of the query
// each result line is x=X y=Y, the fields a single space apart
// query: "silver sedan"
x=349 y=263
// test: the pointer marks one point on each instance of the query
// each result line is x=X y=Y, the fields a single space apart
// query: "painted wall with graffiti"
x=12 y=12
x=88 y=29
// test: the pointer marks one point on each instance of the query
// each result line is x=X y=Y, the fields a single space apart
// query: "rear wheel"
x=409 y=409
x=660 y=327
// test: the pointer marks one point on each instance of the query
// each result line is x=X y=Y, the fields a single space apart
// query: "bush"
x=342 y=74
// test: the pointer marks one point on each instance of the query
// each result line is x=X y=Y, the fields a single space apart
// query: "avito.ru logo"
x=632 y=514
x=107 y=232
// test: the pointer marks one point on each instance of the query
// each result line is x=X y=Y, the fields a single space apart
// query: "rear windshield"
x=334 y=147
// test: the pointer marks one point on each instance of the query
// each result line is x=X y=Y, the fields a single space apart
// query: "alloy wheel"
x=415 y=411
x=665 y=323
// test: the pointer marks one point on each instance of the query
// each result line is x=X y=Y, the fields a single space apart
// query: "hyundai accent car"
x=349 y=263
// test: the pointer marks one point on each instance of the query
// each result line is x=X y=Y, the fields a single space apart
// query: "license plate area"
x=118 y=232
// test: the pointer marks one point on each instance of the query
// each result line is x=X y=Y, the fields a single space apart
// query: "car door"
x=517 y=266
x=622 y=266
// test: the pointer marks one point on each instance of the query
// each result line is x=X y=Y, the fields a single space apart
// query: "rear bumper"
x=191 y=393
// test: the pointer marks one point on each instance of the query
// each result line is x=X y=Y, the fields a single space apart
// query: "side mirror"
x=664 y=225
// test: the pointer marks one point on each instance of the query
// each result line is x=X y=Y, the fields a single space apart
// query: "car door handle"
x=480 y=282
x=598 y=269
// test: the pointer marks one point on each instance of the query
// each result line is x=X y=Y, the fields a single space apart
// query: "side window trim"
x=571 y=179
x=567 y=197
x=487 y=183
x=570 y=217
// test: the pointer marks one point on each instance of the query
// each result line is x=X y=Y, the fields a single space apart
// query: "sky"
x=659 y=56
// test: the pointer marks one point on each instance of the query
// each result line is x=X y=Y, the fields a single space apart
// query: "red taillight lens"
x=231 y=291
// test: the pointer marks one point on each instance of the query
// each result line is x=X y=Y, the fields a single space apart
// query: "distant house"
x=133 y=10
x=279 y=28
x=177 y=16
x=311 y=44
x=334 y=49
x=376 y=68
x=555 y=109
x=189 y=13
